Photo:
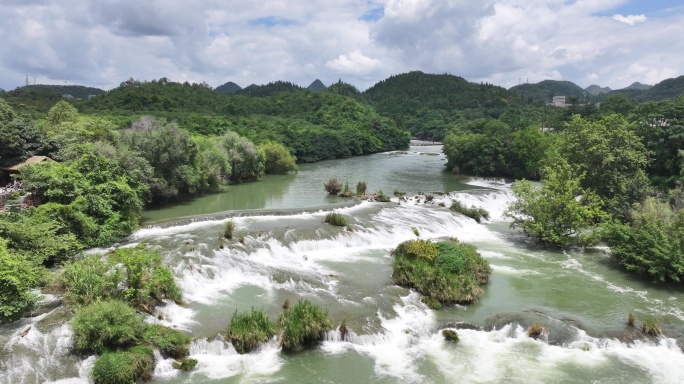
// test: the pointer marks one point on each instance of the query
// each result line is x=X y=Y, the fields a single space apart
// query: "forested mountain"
x=316 y=86
x=666 y=89
x=638 y=86
x=427 y=104
x=314 y=126
x=270 y=89
x=597 y=90
x=228 y=87
x=76 y=91
x=544 y=91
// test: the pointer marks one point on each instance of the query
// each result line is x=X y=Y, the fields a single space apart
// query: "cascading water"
x=579 y=295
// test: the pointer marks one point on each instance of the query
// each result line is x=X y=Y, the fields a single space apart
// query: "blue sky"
x=102 y=43
x=649 y=8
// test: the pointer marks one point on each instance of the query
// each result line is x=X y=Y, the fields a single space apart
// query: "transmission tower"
x=27 y=81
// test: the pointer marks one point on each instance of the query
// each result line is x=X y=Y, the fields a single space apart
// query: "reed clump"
x=336 y=219
x=473 y=212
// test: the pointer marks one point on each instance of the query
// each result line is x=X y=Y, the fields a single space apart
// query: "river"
x=290 y=253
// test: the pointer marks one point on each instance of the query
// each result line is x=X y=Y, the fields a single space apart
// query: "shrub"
x=381 y=197
x=336 y=219
x=473 y=212
x=361 y=188
x=303 y=324
x=432 y=303
x=332 y=186
x=415 y=231
x=450 y=261
x=535 y=330
x=631 y=318
x=185 y=364
x=650 y=326
x=278 y=159
x=424 y=249
x=344 y=331
x=87 y=280
x=144 y=276
x=172 y=342
x=444 y=272
x=398 y=193
x=247 y=330
x=450 y=335
x=228 y=230
x=106 y=325
x=17 y=276
x=124 y=367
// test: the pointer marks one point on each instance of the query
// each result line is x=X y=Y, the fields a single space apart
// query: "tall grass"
x=303 y=324
x=336 y=219
x=129 y=366
x=247 y=330
x=361 y=188
x=473 y=212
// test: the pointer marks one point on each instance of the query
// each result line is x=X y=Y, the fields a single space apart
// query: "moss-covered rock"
x=247 y=330
x=124 y=367
x=185 y=364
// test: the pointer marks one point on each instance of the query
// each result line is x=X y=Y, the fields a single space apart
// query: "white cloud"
x=630 y=19
x=104 y=42
x=353 y=63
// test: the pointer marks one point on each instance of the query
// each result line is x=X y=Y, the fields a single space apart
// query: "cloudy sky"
x=104 y=42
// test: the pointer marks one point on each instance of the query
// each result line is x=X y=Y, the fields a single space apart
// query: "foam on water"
x=217 y=360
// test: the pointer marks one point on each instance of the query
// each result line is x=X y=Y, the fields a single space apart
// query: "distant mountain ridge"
x=545 y=90
x=638 y=86
x=76 y=91
x=597 y=89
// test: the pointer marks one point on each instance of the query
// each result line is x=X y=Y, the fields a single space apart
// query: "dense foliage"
x=123 y=367
x=651 y=243
x=445 y=272
x=106 y=325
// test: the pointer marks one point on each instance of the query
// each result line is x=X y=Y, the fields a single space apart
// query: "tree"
x=20 y=140
x=651 y=243
x=611 y=157
x=558 y=212
x=247 y=162
x=278 y=159
x=61 y=112
x=17 y=276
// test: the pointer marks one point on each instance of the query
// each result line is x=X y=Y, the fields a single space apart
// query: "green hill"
x=544 y=91
x=228 y=87
x=270 y=89
x=76 y=91
x=638 y=86
x=597 y=90
x=666 y=89
x=428 y=104
x=313 y=125
x=316 y=86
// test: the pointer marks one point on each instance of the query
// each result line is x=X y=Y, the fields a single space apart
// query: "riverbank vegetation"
x=446 y=272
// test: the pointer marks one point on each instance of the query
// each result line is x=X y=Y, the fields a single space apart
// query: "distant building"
x=558 y=101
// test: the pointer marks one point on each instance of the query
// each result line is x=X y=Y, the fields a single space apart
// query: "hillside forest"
x=609 y=172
